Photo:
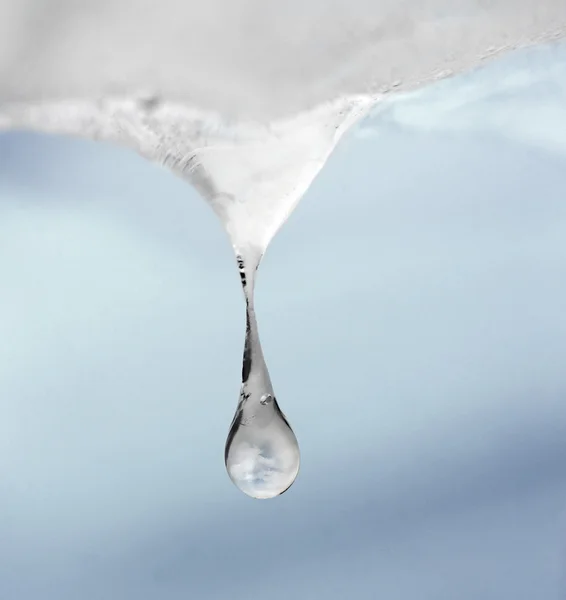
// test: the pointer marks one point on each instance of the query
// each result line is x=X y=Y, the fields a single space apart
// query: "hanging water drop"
x=262 y=454
x=253 y=176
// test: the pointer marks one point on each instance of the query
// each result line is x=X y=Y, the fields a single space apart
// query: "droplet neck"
x=253 y=361
x=248 y=260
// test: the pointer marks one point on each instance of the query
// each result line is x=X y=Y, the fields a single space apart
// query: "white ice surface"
x=257 y=59
x=252 y=173
x=213 y=89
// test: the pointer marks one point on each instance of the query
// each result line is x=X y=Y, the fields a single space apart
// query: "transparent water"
x=262 y=453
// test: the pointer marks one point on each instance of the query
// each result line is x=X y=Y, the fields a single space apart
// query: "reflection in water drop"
x=262 y=453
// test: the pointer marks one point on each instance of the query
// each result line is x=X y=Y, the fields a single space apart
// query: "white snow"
x=257 y=59
x=244 y=98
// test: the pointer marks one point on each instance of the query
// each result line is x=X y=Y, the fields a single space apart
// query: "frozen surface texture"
x=213 y=89
x=253 y=58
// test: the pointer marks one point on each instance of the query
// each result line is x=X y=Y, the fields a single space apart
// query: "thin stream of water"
x=262 y=454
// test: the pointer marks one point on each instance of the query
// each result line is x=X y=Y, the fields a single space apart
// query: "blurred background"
x=412 y=316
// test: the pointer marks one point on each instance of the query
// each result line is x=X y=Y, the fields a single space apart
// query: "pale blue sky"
x=412 y=315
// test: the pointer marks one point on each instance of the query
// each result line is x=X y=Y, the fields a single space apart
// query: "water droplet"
x=266 y=399
x=262 y=454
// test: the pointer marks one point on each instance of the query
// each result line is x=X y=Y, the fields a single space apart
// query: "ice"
x=244 y=99
x=253 y=59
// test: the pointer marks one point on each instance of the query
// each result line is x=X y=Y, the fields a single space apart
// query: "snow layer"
x=213 y=89
x=252 y=174
x=257 y=59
